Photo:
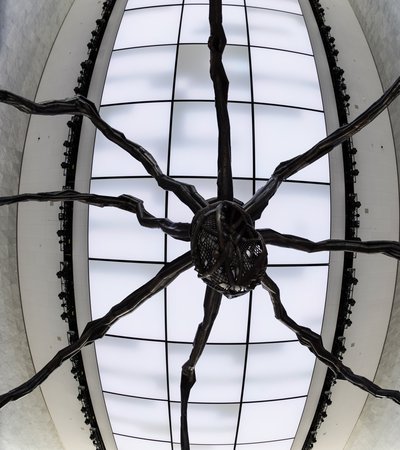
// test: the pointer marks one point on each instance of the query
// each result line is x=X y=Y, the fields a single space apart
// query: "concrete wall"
x=23 y=55
x=27 y=32
x=380 y=21
x=378 y=427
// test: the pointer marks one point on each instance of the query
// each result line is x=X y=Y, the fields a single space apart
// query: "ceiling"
x=368 y=229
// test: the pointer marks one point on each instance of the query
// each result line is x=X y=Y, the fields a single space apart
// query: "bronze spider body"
x=228 y=253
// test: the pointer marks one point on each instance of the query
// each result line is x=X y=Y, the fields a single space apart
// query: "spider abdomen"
x=228 y=253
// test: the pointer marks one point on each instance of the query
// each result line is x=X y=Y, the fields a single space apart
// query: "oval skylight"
x=253 y=378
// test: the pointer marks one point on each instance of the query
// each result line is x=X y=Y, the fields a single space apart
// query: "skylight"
x=253 y=378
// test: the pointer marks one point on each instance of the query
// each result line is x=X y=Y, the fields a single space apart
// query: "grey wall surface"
x=377 y=428
x=27 y=32
x=380 y=21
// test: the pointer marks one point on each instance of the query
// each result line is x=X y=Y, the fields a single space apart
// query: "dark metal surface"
x=125 y=202
x=389 y=248
x=228 y=253
x=212 y=302
x=216 y=44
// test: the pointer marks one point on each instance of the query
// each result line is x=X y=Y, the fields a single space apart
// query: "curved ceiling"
x=35 y=273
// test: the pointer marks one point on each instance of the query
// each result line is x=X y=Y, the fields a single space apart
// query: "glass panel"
x=278 y=30
x=270 y=421
x=303 y=292
x=132 y=367
x=280 y=135
x=144 y=123
x=300 y=209
x=116 y=234
x=176 y=248
x=128 y=443
x=277 y=371
x=229 y=2
x=209 y=423
x=195 y=25
x=196 y=29
x=185 y=306
x=140 y=74
x=241 y=128
x=230 y=325
x=208 y=447
x=145 y=189
x=150 y=26
x=236 y=62
x=235 y=25
x=305 y=214
x=219 y=372
x=203 y=447
x=144 y=3
x=195 y=138
x=138 y=417
x=193 y=80
x=206 y=187
x=243 y=190
x=281 y=5
x=111 y=282
x=277 y=445
x=285 y=78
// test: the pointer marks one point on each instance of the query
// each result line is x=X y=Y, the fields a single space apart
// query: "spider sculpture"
x=228 y=253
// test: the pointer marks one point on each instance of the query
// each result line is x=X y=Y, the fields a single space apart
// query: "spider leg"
x=216 y=44
x=256 y=205
x=177 y=230
x=80 y=105
x=212 y=302
x=314 y=343
x=389 y=248
x=96 y=329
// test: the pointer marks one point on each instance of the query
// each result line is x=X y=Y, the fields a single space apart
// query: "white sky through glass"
x=158 y=92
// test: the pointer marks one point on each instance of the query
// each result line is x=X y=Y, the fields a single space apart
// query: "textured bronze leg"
x=256 y=205
x=212 y=302
x=313 y=342
x=82 y=106
x=98 y=328
x=134 y=205
x=389 y=248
